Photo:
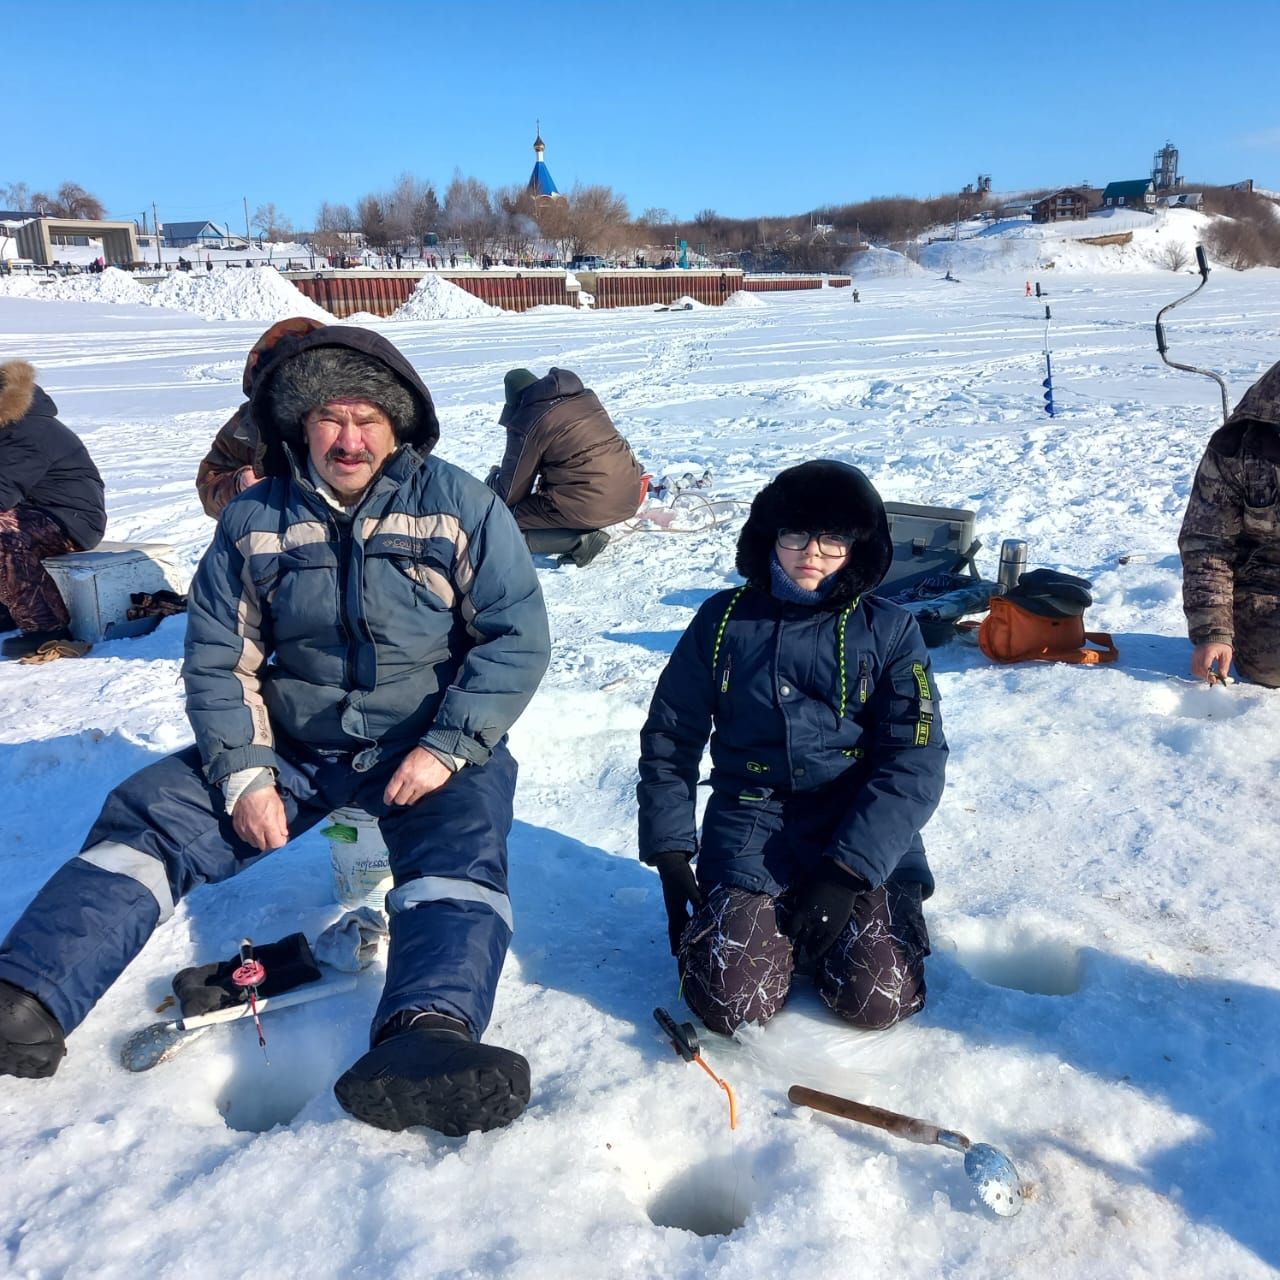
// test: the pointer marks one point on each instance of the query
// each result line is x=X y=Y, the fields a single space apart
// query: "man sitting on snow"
x=51 y=502
x=363 y=631
x=1230 y=543
x=566 y=473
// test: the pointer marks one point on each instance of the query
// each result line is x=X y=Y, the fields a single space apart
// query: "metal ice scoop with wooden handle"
x=992 y=1173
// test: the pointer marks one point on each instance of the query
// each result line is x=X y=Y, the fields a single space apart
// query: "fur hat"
x=17 y=390
x=822 y=496
x=515 y=382
x=324 y=374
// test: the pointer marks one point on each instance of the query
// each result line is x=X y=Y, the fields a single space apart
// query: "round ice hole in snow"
x=1020 y=960
x=709 y=1200
x=267 y=1099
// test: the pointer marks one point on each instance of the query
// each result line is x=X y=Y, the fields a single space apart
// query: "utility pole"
x=247 y=236
x=155 y=218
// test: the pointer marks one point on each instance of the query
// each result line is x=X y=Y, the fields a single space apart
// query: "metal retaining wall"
x=343 y=293
x=648 y=287
x=773 y=284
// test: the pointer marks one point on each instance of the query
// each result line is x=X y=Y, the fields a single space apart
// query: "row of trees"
x=505 y=221
x=71 y=200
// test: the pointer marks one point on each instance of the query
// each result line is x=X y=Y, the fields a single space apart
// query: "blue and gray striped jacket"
x=415 y=618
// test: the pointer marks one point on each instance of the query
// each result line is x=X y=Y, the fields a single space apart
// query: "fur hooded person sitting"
x=827 y=759
x=566 y=474
x=51 y=502
x=363 y=631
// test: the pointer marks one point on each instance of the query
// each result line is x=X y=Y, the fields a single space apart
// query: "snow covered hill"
x=1104 y=1003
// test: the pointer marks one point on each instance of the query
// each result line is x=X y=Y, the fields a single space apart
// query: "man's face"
x=349 y=442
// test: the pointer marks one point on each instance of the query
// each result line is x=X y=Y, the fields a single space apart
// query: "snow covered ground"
x=1103 y=995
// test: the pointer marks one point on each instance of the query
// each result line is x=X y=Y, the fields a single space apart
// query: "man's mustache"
x=347 y=455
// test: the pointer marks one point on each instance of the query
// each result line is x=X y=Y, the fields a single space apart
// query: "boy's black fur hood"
x=823 y=497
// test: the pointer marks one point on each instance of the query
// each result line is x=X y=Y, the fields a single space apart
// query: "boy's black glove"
x=823 y=908
x=680 y=893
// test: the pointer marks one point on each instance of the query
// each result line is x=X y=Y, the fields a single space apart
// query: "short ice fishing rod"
x=1162 y=346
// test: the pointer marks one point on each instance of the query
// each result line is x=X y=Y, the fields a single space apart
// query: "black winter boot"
x=31 y=1042
x=585 y=552
x=437 y=1077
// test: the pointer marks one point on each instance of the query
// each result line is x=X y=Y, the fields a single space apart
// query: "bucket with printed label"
x=361 y=865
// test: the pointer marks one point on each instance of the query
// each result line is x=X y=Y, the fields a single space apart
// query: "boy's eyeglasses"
x=829 y=544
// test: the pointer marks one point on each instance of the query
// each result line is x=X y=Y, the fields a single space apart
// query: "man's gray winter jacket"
x=414 y=618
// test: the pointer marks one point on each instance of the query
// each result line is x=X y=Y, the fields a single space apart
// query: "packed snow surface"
x=435 y=298
x=1104 y=1004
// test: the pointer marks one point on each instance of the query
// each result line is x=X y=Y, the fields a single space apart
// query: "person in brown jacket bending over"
x=566 y=473
x=1230 y=543
x=232 y=463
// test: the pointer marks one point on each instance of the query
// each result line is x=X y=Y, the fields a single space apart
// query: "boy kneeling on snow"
x=363 y=631
x=827 y=758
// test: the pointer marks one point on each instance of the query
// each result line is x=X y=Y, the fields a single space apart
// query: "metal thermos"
x=1013 y=560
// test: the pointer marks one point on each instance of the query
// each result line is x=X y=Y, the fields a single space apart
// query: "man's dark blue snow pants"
x=164 y=831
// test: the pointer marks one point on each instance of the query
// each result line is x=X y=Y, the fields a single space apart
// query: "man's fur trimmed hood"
x=17 y=391
x=823 y=497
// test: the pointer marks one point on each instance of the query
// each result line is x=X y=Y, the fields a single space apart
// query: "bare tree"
x=515 y=215
x=72 y=201
x=1175 y=256
x=556 y=226
x=16 y=196
x=271 y=224
x=334 y=226
x=468 y=213
x=599 y=219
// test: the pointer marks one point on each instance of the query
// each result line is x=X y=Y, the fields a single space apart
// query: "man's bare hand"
x=259 y=819
x=420 y=773
x=1205 y=656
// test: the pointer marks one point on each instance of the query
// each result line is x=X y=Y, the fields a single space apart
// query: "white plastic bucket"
x=361 y=865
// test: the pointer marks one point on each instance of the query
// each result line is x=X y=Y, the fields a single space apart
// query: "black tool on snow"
x=1162 y=346
x=683 y=1035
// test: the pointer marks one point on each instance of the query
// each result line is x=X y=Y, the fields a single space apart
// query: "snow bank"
x=256 y=293
x=747 y=301
x=438 y=299
x=1156 y=241
x=873 y=264
x=111 y=285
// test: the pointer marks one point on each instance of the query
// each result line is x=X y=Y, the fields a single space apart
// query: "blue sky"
x=747 y=108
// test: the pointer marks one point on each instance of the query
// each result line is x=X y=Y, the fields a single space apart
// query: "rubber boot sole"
x=468 y=1088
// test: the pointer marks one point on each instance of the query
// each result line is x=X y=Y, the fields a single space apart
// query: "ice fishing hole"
x=263 y=1104
x=1022 y=961
x=709 y=1200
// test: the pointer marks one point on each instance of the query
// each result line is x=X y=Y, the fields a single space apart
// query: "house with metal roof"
x=1135 y=193
x=203 y=235
x=1070 y=204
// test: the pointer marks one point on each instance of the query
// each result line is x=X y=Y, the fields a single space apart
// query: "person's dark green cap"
x=515 y=382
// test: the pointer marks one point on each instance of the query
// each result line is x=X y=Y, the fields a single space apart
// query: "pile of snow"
x=439 y=299
x=258 y=293
x=111 y=285
x=874 y=263
x=744 y=299
x=1156 y=241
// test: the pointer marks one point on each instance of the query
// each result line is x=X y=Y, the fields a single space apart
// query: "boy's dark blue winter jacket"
x=415 y=618
x=820 y=717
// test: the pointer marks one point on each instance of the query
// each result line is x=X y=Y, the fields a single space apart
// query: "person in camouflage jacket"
x=234 y=460
x=1230 y=543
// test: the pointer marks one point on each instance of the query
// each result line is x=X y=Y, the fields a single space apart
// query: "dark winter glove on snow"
x=680 y=893
x=823 y=908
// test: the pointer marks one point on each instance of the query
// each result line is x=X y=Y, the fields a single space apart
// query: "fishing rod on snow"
x=1163 y=347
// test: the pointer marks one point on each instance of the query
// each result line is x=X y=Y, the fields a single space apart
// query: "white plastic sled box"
x=926 y=541
x=96 y=585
